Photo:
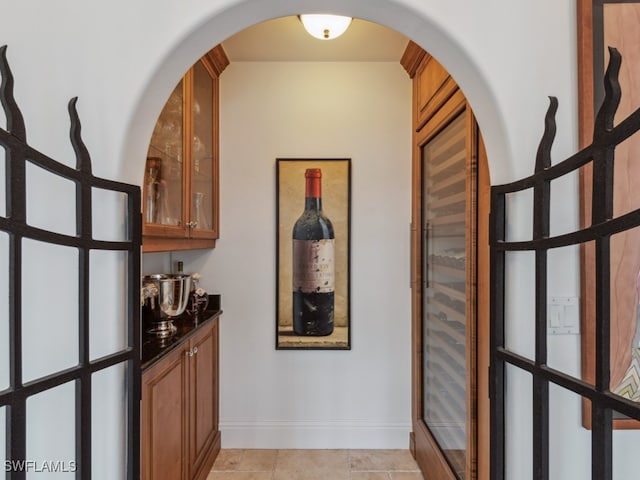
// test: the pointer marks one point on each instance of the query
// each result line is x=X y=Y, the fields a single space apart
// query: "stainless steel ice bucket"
x=164 y=296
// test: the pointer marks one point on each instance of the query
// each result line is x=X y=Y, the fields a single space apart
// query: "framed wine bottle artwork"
x=313 y=248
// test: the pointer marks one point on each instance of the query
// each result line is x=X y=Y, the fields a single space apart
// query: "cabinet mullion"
x=187 y=148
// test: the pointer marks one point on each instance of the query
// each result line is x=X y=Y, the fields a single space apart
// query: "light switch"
x=556 y=316
x=563 y=316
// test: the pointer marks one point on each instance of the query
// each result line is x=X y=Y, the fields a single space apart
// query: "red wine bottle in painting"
x=313 y=267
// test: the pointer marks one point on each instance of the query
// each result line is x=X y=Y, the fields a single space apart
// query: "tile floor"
x=237 y=464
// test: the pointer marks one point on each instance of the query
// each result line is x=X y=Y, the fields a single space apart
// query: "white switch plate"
x=563 y=316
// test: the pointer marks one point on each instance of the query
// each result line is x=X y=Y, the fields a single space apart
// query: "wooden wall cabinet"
x=180 y=191
x=179 y=411
x=432 y=84
x=449 y=304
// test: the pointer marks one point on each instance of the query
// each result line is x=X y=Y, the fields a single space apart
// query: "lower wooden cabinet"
x=179 y=411
x=204 y=437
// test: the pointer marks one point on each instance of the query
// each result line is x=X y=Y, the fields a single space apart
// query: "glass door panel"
x=163 y=189
x=203 y=148
x=444 y=322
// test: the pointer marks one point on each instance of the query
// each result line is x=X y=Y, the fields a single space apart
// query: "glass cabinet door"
x=203 y=218
x=181 y=174
x=444 y=322
x=180 y=194
x=164 y=172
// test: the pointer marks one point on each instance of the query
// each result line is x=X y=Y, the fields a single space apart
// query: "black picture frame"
x=336 y=205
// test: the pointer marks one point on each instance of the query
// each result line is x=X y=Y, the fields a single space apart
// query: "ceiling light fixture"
x=325 y=27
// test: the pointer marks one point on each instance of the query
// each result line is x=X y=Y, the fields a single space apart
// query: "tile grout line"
x=273 y=467
x=275 y=464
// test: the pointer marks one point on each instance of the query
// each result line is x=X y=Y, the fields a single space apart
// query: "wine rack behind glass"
x=444 y=310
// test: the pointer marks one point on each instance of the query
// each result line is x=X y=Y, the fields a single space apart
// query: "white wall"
x=122 y=58
x=320 y=399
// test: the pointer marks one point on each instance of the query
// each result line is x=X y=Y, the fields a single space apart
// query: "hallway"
x=237 y=464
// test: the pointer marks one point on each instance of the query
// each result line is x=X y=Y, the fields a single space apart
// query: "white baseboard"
x=308 y=434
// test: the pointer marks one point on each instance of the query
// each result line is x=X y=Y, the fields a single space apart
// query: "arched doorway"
x=191 y=48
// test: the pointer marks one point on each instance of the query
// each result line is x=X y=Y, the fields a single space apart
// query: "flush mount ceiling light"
x=325 y=27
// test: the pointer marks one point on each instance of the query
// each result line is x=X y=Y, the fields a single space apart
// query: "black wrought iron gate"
x=603 y=226
x=14 y=399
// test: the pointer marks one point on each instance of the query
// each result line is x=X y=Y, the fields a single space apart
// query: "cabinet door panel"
x=164 y=171
x=445 y=314
x=203 y=378
x=433 y=87
x=203 y=152
x=164 y=408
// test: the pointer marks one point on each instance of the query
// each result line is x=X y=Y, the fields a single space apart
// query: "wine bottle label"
x=313 y=265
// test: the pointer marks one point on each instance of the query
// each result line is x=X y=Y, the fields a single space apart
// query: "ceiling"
x=284 y=39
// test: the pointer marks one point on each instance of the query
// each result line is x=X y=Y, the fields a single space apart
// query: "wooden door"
x=444 y=420
x=449 y=292
x=203 y=388
x=164 y=419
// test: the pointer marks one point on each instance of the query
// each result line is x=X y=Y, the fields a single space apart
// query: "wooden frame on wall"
x=336 y=206
x=603 y=23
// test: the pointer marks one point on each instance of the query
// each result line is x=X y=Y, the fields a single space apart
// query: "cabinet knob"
x=192 y=224
x=191 y=352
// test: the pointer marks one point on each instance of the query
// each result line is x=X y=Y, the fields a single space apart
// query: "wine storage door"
x=444 y=297
x=445 y=427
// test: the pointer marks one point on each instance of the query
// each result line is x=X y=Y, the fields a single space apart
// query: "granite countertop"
x=154 y=348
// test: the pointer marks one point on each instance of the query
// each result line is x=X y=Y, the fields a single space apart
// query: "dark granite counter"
x=154 y=348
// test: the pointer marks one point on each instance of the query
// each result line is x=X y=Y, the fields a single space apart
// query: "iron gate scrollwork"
x=14 y=398
x=601 y=154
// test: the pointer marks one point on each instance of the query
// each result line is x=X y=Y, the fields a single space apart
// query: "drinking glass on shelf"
x=200 y=214
x=152 y=190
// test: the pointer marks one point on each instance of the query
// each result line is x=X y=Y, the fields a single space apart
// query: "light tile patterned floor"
x=237 y=464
